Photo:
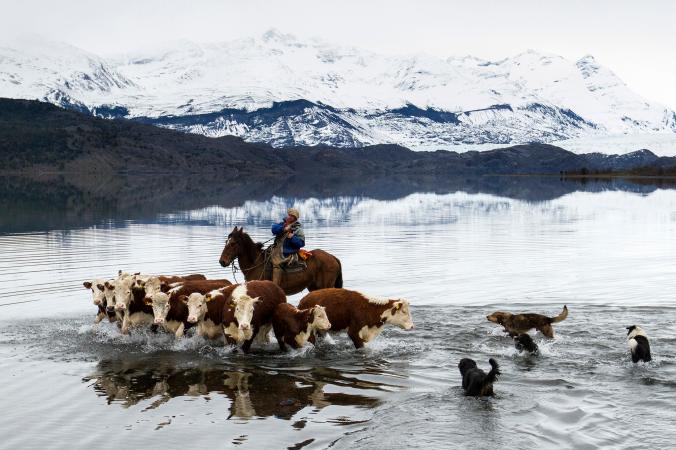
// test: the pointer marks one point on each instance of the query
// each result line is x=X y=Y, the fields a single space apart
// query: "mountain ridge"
x=351 y=97
x=38 y=137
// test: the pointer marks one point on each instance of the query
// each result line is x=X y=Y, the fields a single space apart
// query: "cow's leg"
x=99 y=317
x=356 y=340
x=125 y=322
x=282 y=344
x=180 y=330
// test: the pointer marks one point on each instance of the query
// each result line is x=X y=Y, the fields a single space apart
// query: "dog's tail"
x=493 y=374
x=561 y=316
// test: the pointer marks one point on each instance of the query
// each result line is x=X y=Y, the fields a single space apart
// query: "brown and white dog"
x=516 y=324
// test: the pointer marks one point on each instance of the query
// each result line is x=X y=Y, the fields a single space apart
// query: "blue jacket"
x=290 y=245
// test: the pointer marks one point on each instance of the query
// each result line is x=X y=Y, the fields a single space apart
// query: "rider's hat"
x=293 y=212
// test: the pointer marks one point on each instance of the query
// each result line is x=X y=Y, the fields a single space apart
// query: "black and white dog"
x=638 y=344
x=524 y=342
x=474 y=380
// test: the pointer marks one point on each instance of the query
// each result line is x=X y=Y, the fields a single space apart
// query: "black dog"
x=525 y=342
x=474 y=380
x=638 y=344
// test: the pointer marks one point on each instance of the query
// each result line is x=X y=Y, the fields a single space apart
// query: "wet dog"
x=524 y=342
x=475 y=381
x=516 y=324
x=638 y=344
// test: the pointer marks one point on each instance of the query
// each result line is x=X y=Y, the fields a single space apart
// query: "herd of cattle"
x=241 y=313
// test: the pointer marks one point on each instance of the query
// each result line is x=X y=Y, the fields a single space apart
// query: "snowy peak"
x=283 y=90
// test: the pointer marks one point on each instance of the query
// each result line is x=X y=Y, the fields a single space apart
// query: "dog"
x=516 y=324
x=524 y=342
x=638 y=344
x=475 y=381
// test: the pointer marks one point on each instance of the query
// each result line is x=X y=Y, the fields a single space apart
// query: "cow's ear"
x=398 y=305
x=87 y=284
x=208 y=297
x=164 y=286
x=184 y=299
x=148 y=301
x=256 y=299
x=99 y=287
x=109 y=285
x=119 y=272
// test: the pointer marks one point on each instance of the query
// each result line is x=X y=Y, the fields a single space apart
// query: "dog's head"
x=499 y=317
x=525 y=342
x=466 y=364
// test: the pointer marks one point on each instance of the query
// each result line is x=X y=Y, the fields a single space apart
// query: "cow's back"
x=342 y=305
x=270 y=295
x=200 y=286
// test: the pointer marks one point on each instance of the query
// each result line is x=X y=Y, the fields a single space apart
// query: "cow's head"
x=122 y=292
x=96 y=286
x=197 y=304
x=320 y=320
x=152 y=285
x=160 y=303
x=244 y=309
x=398 y=313
x=109 y=295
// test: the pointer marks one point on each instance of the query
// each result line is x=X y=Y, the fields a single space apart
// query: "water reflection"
x=253 y=391
x=74 y=202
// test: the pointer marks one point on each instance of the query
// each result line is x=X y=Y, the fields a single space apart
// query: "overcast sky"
x=635 y=39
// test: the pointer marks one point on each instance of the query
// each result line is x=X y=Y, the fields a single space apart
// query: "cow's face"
x=197 y=305
x=320 y=320
x=160 y=303
x=399 y=314
x=109 y=294
x=97 y=289
x=244 y=309
x=152 y=285
x=122 y=292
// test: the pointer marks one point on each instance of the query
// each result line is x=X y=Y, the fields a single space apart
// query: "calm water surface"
x=610 y=255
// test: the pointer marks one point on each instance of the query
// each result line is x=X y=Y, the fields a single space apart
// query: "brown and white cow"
x=207 y=311
x=362 y=316
x=129 y=303
x=161 y=283
x=96 y=286
x=247 y=310
x=171 y=308
x=294 y=326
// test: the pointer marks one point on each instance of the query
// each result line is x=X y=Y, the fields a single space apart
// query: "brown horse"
x=323 y=269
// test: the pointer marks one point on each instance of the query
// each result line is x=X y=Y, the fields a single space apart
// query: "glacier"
x=278 y=89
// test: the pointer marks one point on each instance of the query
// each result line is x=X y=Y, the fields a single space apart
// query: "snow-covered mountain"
x=278 y=89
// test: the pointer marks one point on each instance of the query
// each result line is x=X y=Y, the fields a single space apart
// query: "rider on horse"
x=289 y=238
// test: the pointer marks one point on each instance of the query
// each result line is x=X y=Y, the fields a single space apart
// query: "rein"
x=266 y=257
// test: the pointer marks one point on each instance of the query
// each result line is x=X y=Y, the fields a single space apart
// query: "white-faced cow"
x=363 y=317
x=170 y=308
x=247 y=310
x=96 y=286
x=130 y=304
x=161 y=283
x=294 y=326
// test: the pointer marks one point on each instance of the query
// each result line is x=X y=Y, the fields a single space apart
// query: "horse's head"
x=232 y=247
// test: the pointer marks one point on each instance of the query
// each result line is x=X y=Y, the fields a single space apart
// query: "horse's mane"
x=247 y=239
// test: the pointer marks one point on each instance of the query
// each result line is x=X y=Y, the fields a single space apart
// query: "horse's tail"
x=339 y=278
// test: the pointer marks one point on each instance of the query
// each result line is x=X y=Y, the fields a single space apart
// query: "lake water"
x=457 y=252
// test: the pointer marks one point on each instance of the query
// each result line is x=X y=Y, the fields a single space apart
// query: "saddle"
x=294 y=263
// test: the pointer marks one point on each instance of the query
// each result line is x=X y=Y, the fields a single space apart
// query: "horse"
x=323 y=269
